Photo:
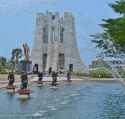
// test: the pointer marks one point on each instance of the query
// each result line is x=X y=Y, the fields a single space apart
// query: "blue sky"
x=17 y=22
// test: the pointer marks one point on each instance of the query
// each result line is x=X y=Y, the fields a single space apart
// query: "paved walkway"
x=33 y=78
x=4 y=82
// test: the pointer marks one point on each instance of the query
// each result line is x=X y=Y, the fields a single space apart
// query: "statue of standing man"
x=26 y=51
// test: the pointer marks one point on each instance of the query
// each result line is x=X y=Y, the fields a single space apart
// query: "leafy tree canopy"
x=16 y=53
x=3 y=61
x=118 y=6
x=113 y=30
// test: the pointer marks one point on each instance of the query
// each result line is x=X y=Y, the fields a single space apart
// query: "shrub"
x=100 y=73
x=3 y=71
x=79 y=73
x=121 y=72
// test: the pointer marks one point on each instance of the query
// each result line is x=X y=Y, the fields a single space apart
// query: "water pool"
x=76 y=101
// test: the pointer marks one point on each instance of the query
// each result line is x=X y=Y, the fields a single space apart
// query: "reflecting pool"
x=88 y=100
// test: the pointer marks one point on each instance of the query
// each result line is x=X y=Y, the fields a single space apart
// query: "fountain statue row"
x=24 y=90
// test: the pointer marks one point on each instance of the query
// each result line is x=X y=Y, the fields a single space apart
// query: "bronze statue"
x=26 y=52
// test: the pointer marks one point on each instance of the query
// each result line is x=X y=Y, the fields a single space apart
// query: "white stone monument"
x=55 y=43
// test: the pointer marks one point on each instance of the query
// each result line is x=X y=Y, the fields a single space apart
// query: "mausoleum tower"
x=55 y=43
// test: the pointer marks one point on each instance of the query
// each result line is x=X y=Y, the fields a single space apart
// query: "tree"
x=3 y=61
x=118 y=6
x=113 y=30
x=16 y=55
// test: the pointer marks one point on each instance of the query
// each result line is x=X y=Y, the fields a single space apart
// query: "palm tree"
x=3 y=61
x=16 y=55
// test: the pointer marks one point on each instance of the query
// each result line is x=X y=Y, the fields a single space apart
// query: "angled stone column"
x=72 y=55
x=37 y=51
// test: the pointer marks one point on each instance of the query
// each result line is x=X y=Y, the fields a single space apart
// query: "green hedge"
x=100 y=73
x=79 y=74
x=121 y=72
x=3 y=71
